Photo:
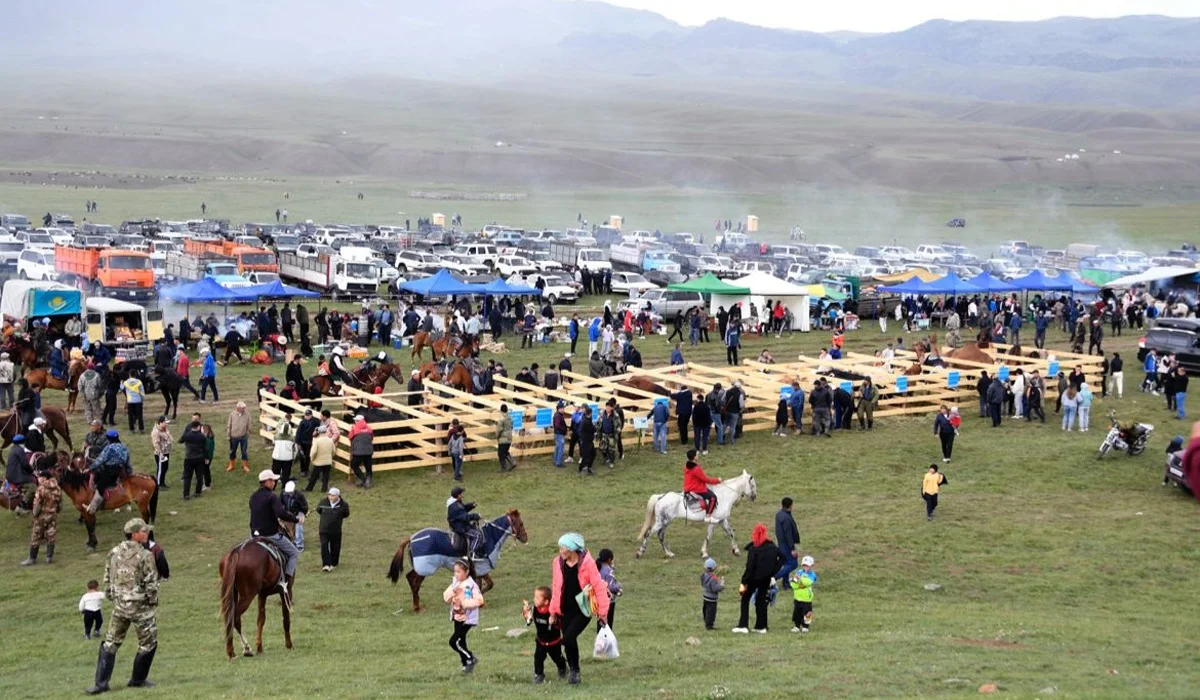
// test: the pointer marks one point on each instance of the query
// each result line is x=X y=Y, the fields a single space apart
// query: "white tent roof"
x=762 y=284
x=12 y=302
x=1152 y=275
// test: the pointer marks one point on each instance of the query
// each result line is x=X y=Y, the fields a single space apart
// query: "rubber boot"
x=104 y=670
x=141 y=669
x=230 y=467
x=50 y=553
x=246 y=465
x=33 y=552
x=97 y=501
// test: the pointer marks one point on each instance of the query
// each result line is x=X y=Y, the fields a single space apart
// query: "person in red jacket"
x=697 y=482
x=182 y=367
x=574 y=572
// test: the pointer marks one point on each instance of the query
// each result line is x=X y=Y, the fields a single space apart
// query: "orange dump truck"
x=119 y=274
x=248 y=258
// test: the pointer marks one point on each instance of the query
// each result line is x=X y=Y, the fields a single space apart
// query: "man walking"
x=321 y=459
x=160 y=440
x=504 y=436
x=1116 y=375
x=735 y=403
x=195 y=451
x=332 y=510
x=995 y=400
x=787 y=536
x=659 y=413
x=46 y=502
x=131 y=583
x=821 y=400
x=208 y=375
x=237 y=428
x=91 y=388
x=135 y=397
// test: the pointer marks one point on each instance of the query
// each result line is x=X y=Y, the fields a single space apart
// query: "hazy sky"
x=893 y=15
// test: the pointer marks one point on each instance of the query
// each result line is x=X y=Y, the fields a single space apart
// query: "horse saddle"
x=459 y=542
x=693 y=501
x=270 y=547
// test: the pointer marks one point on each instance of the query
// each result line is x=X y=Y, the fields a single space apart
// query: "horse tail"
x=153 y=505
x=229 y=593
x=650 y=504
x=397 y=566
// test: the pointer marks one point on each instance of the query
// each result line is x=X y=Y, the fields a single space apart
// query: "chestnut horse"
x=138 y=489
x=972 y=352
x=249 y=571
x=440 y=347
x=23 y=351
x=43 y=378
x=56 y=425
x=643 y=383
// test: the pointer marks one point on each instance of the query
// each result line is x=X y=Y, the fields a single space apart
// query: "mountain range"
x=1149 y=62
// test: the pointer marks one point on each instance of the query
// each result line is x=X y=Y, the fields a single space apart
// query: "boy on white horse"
x=696 y=482
x=722 y=496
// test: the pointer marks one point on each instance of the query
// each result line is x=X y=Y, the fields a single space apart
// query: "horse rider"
x=94 y=441
x=381 y=358
x=266 y=510
x=35 y=439
x=463 y=522
x=131 y=583
x=471 y=333
x=697 y=483
x=58 y=363
x=337 y=366
x=19 y=474
x=108 y=468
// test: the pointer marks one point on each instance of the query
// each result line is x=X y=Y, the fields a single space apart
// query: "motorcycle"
x=1130 y=439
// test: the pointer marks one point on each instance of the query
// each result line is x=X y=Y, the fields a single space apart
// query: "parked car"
x=666 y=302
x=417 y=261
x=509 y=265
x=663 y=278
x=36 y=264
x=61 y=236
x=462 y=264
x=1178 y=335
x=630 y=283
x=558 y=288
x=35 y=239
x=314 y=250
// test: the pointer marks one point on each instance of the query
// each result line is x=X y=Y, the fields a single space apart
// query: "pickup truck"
x=329 y=273
x=123 y=274
x=220 y=269
x=638 y=257
x=558 y=288
x=509 y=265
x=572 y=255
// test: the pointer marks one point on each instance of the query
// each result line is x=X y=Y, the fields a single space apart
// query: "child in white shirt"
x=91 y=605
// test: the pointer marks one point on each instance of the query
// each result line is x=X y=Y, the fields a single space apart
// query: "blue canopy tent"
x=499 y=288
x=441 y=284
x=988 y=283
x=204 y=290
x=1037 y=282
x=912 y=286
x=1081 y=286
x=950 y=284
x=276 y=290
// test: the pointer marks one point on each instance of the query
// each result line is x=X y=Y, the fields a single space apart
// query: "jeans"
x=234 y=442
x=299 y=537
x=660 y=437
x=1068 y=417
x=456 y=462
x=560 y=440
x=207 y=383
x=983 y=409
x=700 y=437
x=1180 y=398
x=789 y=565
x=1085 y=413
x=719 y=426
x=797 y=415
x=731 y=424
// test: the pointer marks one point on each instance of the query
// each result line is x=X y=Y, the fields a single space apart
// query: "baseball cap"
x=806 y=561
x=112 y=434
x=267 y=474
x=135 y=525
x=335 y=491
x=710 y=563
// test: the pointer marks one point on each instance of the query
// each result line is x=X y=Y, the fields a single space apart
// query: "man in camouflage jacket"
x=131 y=583
x=47 y=501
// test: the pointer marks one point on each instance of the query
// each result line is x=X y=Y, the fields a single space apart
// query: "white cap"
x=266 y=474
x=335 y=491
x=416 y=372
x=289 y=487
x=566 y=354
x=359 y=417
x=39 y=421
x=806 y=561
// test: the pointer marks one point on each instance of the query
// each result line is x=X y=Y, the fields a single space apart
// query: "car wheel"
x=553 y=299
x=23 y=276
x=403 y=269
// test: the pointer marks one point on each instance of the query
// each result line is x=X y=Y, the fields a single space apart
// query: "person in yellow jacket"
x=802 y=581
x=930 y=485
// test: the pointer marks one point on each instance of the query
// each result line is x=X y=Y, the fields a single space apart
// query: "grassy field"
x=1056 y=571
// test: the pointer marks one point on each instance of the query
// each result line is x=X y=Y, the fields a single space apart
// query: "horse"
x=325 y=384
x=441 y=347
x=378 y=377
x=24 y=352
x=433 y=549
x=169 y=383
x=662 y=508
x=56 y=425
x=644 y=384
x=43 y=378
x=139 y=489
x=247 y=571
x=971 y=352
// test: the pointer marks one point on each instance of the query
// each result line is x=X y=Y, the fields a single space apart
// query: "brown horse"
x=44 y=379
x=138 y=489
x=379 y=376
x=440 y=347
x=325 y=384
x=971 y=352
x=56 y=425
x=644 y=384
x=24 y=352
x=248 y=571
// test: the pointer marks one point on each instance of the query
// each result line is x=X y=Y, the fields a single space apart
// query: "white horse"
x=662 y=508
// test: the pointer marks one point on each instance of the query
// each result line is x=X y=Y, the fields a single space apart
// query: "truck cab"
x=659 y=260
x=108 y=272
x=225 y=274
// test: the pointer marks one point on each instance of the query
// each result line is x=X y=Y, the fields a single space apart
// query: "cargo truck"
x=247 y=258
x=577 y=257
x=331 y=274
x=220 y=269
x=636 y=257
x=120 y=274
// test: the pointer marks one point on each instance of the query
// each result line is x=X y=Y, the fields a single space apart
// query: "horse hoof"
x=91 y=550
x=248 y=653
x=670 y=555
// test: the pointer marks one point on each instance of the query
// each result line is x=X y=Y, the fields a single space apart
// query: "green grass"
x=1056 y=570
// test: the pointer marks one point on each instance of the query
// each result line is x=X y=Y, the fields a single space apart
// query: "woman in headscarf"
x=574 y=576
x=762 y=561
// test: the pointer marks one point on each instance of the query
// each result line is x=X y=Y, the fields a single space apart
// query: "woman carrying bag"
x=577 y=591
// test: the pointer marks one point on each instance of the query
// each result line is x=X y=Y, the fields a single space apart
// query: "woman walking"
x=1085 y=407
x=945 y=431
x=930 y=485
x=574 y=576
x=1070 y=402
x=762 y=561
x=465 y=600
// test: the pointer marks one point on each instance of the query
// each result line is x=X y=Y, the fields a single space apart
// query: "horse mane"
x=73 y=479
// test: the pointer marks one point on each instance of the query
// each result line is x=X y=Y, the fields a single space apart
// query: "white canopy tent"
x=763 y=287
x=1154 y=274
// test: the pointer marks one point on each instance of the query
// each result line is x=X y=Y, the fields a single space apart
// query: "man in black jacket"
x=821 y=401
x=995 y=400
x=788 y=536
x=195 y=451
x=266 y=511
x=333 y=510
x=305 y=432
x=463 y=522
x=415 y=388
x=843 y=408
x=683 y=412
x=982 y=388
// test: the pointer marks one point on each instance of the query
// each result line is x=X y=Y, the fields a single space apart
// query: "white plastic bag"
x=606 y=644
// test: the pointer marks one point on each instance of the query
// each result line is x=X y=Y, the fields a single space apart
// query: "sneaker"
x=795 y=629
x=757 y=631
x=740 y=630
x=538 y=679
x=86 y=635
x=803 y=630
x=470 y=667
x=574 y=678
x=568 y=460
x=704 y=452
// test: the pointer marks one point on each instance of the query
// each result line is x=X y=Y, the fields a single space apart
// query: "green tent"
x=708 y=284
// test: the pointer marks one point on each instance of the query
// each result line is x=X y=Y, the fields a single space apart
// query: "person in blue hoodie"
x=677 y=355
x=1014 y=325
x=573 y=331
x=1040 y=322
x=796 y=403
x=593 y=335
x=1150 y=383
x=660 y=413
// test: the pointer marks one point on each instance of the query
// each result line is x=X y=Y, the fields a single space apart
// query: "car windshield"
x=634 y=278
x=287 y=240
x=258 y=259
x=12 y=246
x=264 y=277
x=40 y=238
x=591 y=255
x=166 y=247
x=159 y=264
x=223 y=270
x=362 y=270
x=17 y=220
